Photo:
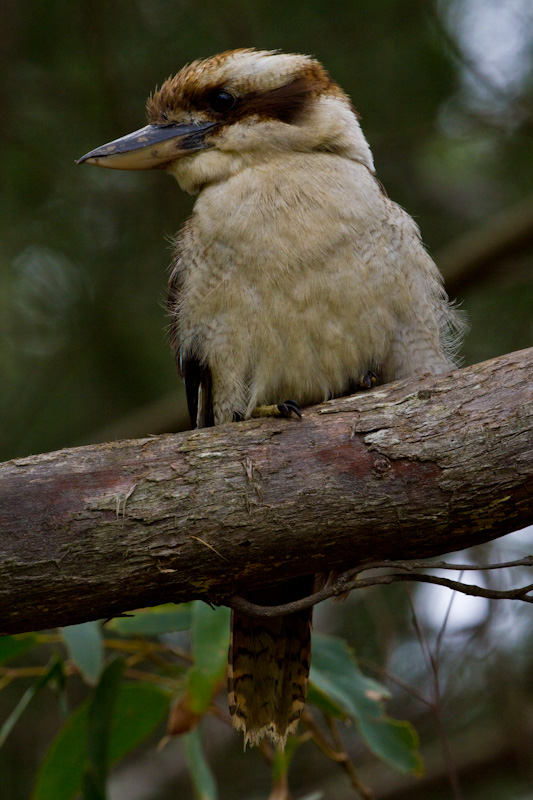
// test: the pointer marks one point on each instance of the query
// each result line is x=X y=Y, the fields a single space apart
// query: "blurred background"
x=445 y=93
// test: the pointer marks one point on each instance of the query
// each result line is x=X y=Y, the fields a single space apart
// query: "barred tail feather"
x=269 y=662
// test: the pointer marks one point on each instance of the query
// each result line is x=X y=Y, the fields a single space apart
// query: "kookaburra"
x=295 y=280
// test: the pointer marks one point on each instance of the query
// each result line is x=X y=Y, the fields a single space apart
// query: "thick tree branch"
x=410 y=470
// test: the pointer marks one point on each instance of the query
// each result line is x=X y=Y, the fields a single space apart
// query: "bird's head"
x=235 y=109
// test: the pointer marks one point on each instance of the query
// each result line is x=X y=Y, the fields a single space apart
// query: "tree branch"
x=480 y=252
x=342 y=585
x=414 y=469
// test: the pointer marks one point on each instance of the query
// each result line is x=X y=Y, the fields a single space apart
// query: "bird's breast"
x=286 y=288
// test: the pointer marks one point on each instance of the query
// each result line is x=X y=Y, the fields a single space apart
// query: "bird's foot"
x=286 y=409
x=368 y=380
x=289 y=407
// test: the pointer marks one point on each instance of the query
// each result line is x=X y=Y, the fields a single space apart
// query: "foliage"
x=127 y=704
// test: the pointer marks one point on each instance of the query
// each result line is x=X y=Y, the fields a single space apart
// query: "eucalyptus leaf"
x=138 y=710
x=99 y=718
x=11 y=646
x=394 y=741
x=202 y=778
x=85 y=646
x=210 y=642
x=154 y=621
x=54 y=673
x=336 y=679
x=210 y=636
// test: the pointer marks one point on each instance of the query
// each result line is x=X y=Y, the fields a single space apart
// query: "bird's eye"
x=221 y=101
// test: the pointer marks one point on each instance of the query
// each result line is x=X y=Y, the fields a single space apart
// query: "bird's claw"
x=289 y=407
x=368 y=380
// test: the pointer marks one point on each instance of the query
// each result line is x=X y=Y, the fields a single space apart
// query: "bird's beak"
x=150 y=147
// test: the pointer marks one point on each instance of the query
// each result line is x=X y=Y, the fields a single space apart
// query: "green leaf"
x=153 y=621
x=85 y=646
x=210 y=636
x=394 y=741
x=11 y=646
x=54 y=673
x=202 y=778
x=61 y=772
x=336 y=679
x=210 y=642
x=100 y=714
x=139 y=708
x=321 y=701
x=334 y=673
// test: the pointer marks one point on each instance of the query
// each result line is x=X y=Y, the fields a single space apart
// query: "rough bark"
x=409 y=470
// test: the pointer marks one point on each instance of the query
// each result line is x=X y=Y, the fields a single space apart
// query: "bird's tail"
x=269 y=662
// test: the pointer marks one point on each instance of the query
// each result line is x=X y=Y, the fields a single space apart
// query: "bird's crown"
x=242 y=83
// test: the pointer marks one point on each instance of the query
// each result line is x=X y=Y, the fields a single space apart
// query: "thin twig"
x=280 y=788
x=440 y=635
x=527 y=561
x=433 y=664
x=32 y=672
x=445 y=741
x=150 y=677
x=337 y=753
x=267 y=751
x=424 y=646
x=393 y=678
x=319 y=738
x=342 y=585
x=145 y=648
x=346 y=763
x=210 y=546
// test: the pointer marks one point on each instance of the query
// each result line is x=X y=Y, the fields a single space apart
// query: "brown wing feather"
x=196 y=375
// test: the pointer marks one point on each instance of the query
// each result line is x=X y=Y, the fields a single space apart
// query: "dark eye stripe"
x=285 y=103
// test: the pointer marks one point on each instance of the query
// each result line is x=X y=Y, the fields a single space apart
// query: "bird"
x=295 y=280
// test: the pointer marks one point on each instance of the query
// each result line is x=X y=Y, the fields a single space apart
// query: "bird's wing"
x=198 y=386
x=196 y=375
